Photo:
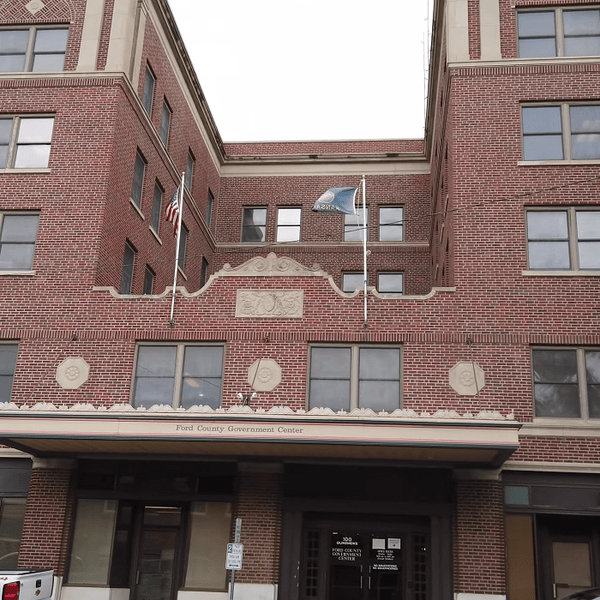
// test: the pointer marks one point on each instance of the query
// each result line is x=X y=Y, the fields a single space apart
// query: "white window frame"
x=353 y=225
x=348 y=276
x=559 y=33
x=383 y=274
x=565 y=132
x=572 y=240
x=178 y=376
x=4 y=239
x=15 y=142
x=355 y=350
x=292 y=225
x=30 y=53
x=582 y=383
x=391 y=226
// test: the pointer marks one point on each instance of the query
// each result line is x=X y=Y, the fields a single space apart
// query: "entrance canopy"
x=445 y=437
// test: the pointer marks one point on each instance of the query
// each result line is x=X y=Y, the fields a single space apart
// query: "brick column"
x=259 y=505
x=479 y=555
x=47 y=516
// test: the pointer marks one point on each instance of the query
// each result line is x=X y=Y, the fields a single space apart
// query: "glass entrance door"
x=375 y=563
x=157 y=553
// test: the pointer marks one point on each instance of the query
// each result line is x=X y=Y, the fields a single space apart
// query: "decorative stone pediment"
x=270 y=266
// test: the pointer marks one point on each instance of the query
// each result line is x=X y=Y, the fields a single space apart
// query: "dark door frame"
x=297 y=512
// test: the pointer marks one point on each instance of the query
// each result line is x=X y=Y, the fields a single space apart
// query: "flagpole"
x=171 y=321
x=364 y=197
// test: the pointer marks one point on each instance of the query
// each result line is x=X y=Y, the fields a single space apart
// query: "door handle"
x=554 y=590
x=137 y=577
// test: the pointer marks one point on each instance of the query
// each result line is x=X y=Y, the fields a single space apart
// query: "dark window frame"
x=578 y=383
x=166 y=117
x=249 y=229
x=139 y=175
x=148 y=91
x=128 y=269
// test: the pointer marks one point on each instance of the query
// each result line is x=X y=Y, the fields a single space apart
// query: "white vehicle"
x=24 y=584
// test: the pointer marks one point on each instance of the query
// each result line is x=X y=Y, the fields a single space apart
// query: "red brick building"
x=439 y=440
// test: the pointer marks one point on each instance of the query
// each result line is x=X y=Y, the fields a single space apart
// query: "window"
x=254 y=225
x=93 y=532
x=148 y=97
x=189 y=171
x=182 y=244
x=354 y=225
x=165 y=123
x=127 y=273
x=138 y=179
x=18 y=233
x=210 y=530
x=25 y=142
x=347 y=377
x=204 y=272
x=209 y=208
x=566 y=382
x=564 y=132
x=178 y=375
x=288 y=224
x=156 y=207
x=12 y=517
x=390 y=283
x=33 y=49
x=149 y=276
x=391 y=224
x=567 y=239
x=352 y=281
x=559 y=32
x=8 y=363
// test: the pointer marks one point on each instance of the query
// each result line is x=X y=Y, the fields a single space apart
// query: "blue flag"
x=337 y=200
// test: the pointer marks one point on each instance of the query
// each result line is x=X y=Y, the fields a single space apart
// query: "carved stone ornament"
x=286 y=304
x=35 y=6
x=72 y=373
x=271 y=265
x=264 y=375
x=467 y=378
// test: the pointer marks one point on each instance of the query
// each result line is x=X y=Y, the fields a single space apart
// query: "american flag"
x=172 y=211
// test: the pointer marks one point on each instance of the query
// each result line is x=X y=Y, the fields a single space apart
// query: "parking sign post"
x=235 y=553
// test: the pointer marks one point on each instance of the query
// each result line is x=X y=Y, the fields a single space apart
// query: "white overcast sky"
x=309 y=69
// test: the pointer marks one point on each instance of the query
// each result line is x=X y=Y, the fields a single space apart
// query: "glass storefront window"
x=12 y=514
x=92 y=542
x=210 y=531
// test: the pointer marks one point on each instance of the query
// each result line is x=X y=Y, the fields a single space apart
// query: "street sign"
x=234 y=556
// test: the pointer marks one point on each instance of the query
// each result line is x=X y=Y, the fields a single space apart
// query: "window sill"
x=27 y=273
x=156 y=236
x=556 y=163
x=560 y=427
x=137 y=208
x=33 y=170
x=550 y=273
